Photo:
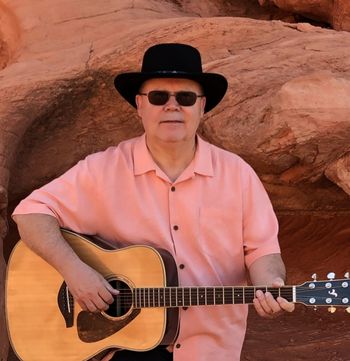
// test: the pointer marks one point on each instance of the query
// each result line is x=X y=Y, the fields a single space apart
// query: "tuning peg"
x=347 y=310
x=347 y=275
x=314 y=277
x=331 y=276
x=331 y=309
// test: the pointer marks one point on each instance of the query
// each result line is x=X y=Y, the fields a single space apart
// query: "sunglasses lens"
x=186 y=98
x=158 y=97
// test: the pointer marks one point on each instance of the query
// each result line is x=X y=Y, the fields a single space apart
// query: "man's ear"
x=203 y=102
x=138 y=101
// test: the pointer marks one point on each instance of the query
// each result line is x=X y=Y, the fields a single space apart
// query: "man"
x=168 y=189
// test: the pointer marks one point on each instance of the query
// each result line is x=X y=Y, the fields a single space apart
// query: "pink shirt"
x=216 y=219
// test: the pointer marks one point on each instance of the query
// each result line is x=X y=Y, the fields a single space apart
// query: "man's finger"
x=285 y=305
x=109 y=356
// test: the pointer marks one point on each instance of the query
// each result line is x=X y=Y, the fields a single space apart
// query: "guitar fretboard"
x=196 y=296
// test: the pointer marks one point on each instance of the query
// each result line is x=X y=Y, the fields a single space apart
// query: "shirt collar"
x=202 y=163
x=143 y=161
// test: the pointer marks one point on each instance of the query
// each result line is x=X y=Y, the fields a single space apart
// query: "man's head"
x=170 y=109
x=179 y=61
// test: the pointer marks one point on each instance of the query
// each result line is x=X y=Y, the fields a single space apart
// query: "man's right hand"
x=89 y=288
x=42 y=234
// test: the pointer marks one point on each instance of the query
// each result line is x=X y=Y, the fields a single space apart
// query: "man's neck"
x=172 y=157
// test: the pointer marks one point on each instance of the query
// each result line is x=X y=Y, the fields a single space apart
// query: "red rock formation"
x=286 y=112
x=9 y=35
x=334 y=12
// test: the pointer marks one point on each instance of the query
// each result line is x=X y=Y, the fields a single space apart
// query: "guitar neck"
x=196 y=296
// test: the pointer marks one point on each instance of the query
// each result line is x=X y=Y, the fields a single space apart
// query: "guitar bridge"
x=66 y=304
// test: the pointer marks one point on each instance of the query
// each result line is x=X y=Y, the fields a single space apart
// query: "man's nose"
x=172 y=102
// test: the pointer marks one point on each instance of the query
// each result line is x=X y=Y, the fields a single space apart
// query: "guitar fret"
x=201 y=296
x=208 y=296
x=238 y=294
x=228 y=295
x=186 y=296
x=174 y=296
x=193 y=296
x=209 y=299
x=180 y=295
x=219 y=296
x=155 y=297
x=166 y=297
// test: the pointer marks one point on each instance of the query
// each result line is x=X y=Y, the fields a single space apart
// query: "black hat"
x=172 y=61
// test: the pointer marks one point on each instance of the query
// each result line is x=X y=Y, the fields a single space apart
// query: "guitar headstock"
x=332 y=292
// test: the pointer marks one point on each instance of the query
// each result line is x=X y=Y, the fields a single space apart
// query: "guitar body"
x=45 y=323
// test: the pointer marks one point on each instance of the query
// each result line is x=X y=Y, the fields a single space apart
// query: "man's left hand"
x=268 y=307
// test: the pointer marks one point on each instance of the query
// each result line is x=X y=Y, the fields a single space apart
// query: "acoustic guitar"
x=44 y=322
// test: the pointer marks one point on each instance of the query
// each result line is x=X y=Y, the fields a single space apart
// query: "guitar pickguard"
x=93 y=327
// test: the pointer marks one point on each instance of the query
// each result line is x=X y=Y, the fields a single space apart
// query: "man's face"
x=171 y=122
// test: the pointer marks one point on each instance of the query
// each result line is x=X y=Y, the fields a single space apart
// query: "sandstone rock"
x=334 y=12
x=339 y=172
x=9 y=35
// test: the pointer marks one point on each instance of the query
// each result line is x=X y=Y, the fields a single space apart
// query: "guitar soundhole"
x=122 y=302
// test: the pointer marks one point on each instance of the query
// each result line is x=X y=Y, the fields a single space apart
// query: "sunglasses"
x=160 y=97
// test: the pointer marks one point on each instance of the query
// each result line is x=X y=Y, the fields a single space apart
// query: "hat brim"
x=214 y=85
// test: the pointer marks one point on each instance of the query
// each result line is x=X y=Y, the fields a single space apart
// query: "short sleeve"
x=260 y=225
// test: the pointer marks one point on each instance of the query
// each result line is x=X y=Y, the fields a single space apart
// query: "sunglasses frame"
x=175 y=94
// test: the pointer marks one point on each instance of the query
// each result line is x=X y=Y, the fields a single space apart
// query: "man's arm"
x=269 y=270
x=42 y=235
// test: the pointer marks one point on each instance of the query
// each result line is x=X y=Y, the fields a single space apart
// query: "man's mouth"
x=172 y=121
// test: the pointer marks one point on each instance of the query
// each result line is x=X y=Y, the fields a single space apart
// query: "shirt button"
x=173 y=189
x=176 y=227
x=182 y=266
x=178 y=345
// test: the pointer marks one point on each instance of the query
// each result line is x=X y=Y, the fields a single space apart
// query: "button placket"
x=172 y=209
